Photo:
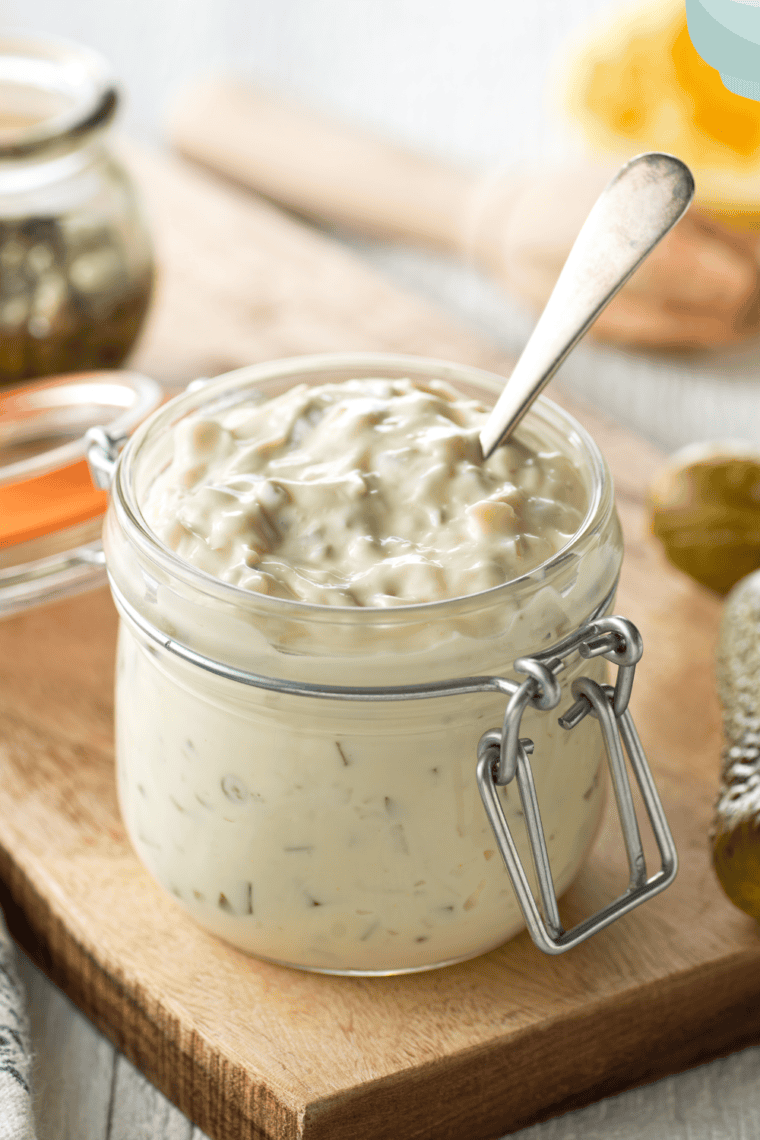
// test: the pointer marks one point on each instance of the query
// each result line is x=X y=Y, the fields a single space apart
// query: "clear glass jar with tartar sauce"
x=344 y=835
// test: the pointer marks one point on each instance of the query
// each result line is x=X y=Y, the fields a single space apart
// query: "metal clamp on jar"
x=503 y=756
x=309 y=781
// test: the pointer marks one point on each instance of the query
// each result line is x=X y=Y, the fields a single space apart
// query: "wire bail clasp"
x=503 y=756
x=103 y=449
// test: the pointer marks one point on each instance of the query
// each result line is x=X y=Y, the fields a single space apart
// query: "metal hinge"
x=103 y=448
x=503 y=756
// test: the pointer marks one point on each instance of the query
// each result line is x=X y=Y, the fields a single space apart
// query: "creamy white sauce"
x=367 y=493
x=336 y=835
x=340 y=838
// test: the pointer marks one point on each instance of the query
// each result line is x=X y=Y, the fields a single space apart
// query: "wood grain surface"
x=694 y=290
x=250 y=1050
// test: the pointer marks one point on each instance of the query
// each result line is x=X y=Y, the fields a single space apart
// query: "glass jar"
x=76 y=266
x=323 y=829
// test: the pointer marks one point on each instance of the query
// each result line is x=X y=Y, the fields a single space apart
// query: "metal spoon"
x=643 y=201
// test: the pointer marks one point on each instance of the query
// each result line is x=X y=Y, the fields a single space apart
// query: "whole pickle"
x=736 y=831
x=705 y=509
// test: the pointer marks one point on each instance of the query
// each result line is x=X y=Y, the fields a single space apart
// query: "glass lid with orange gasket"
x=51 y=513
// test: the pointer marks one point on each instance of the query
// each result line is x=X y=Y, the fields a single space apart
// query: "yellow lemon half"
x=637 y=83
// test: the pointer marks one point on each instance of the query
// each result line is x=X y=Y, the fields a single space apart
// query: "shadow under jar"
x=338 y=835
x=76 y=267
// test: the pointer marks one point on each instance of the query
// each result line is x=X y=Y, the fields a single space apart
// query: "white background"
x=462 y=78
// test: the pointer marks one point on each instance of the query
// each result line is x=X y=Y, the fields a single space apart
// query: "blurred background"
x=464 y=79
x=473 y=82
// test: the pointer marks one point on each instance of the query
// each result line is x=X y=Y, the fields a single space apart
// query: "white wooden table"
x=85 y=1090
x=466 y=79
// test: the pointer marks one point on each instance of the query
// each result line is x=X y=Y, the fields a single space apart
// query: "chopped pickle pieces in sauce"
x=367 y=493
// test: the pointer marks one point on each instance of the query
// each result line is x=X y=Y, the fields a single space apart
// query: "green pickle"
x=705 y=510
x=736 y=831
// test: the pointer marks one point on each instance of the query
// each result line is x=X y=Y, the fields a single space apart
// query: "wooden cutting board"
x=250 y=1050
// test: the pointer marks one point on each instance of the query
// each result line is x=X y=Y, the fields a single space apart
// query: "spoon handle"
x=644 y=200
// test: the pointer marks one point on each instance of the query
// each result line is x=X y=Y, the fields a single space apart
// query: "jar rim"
x=61 y=68
x=124 y=498
x=54 y=406
x=50 y=513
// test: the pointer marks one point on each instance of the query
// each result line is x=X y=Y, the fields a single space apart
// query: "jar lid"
x=50 y=511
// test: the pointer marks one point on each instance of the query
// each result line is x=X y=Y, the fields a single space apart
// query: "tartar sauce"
x=371 y=492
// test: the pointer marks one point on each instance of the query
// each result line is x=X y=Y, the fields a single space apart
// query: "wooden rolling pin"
x=699 y=288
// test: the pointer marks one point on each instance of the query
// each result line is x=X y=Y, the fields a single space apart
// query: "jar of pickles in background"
x=76 y=266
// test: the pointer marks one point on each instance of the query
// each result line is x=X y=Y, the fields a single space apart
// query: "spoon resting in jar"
x=633 y=213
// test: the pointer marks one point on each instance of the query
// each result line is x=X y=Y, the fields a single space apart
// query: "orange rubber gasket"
x=48 y=503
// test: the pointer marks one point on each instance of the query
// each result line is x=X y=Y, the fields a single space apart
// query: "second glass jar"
x=76 y=266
